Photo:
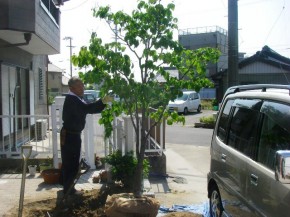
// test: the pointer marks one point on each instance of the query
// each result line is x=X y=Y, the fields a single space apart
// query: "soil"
x=89 y=204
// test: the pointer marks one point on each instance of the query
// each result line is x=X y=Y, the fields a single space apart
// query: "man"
x=74 y=114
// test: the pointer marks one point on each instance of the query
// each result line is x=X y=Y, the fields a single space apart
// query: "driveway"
x=188 y=159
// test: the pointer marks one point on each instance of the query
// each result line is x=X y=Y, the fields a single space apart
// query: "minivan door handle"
x=224 y=157
x=254 y=180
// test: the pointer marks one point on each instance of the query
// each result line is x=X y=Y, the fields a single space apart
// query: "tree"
x=147 y=37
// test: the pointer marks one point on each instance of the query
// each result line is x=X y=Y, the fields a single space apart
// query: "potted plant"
x=47 y=164
x=51 y=176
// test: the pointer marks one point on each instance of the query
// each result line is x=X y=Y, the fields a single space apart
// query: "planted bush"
x=123 y=167
x=207 y=119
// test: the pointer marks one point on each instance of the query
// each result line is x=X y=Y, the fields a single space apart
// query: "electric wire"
x=271 y=29
x=75 y=7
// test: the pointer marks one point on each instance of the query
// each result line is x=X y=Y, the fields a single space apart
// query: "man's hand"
x=107 y=99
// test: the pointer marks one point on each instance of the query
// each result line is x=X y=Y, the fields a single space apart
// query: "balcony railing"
x=51 y=9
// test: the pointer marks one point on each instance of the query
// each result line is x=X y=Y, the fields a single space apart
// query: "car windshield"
x=184 y=97
x=89 y=98
x=96 y=93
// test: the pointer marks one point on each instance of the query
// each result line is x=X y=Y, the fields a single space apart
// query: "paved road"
x=188 y=134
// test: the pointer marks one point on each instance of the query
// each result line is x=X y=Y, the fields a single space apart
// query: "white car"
x=188 y=102
x=96 y=93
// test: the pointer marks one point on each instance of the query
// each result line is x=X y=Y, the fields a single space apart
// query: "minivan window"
x=275 y=134
x=224 y=120
x=243 y=130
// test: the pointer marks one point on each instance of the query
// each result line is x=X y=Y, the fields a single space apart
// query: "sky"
x=261 y=22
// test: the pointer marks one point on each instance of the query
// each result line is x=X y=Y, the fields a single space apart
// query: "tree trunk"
x=138 y=181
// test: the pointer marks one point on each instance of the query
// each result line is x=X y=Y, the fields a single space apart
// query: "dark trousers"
x=70 y=155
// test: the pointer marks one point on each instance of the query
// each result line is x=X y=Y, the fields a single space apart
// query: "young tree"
x=143 y=47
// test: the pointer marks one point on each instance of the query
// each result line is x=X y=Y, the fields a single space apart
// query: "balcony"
x=31 y=25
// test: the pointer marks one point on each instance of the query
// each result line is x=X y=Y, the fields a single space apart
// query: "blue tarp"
x=202 y=209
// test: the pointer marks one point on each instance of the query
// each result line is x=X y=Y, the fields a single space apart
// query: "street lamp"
x=70 y=52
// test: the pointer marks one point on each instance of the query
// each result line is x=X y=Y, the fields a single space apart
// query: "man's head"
x=76 y=86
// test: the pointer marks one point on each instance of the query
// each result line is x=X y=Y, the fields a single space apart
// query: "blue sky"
x=261 y=22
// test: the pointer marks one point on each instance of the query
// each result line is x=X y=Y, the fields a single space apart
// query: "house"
x=29 y=32
x=208 y=36
x=57 y=80
x=264 y=67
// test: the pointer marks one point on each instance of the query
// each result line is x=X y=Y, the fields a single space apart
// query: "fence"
x=42 y=133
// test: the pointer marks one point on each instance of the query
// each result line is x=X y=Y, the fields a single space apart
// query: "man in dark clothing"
x=74 y=114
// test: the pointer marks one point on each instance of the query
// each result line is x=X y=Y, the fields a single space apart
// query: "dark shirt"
x=75 y=111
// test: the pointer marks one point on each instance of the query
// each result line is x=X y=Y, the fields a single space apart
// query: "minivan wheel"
x=185 y=111
x=199 y=109
x=215 y=203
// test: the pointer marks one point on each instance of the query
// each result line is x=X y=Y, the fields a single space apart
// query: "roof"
x=267 y=56
x=53 y=68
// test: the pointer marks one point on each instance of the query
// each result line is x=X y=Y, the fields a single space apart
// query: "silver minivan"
x=250 y=153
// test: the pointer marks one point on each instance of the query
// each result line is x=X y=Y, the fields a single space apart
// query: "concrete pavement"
x=185 y=184
x=187 y=171
x=187 y=167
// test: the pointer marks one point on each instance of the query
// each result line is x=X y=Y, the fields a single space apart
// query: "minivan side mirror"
x=282 y=166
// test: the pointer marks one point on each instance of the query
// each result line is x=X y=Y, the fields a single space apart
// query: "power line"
x=75 y=7
x=270 y=31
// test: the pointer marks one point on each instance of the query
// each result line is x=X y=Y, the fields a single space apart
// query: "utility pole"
x=233 y=43
x=70 y=52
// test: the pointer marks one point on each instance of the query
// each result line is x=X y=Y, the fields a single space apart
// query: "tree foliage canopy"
x=130 y=65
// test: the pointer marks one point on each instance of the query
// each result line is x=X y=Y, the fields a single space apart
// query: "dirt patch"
x=90 y=204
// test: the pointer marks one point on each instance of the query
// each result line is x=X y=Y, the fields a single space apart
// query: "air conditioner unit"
x=41 y=128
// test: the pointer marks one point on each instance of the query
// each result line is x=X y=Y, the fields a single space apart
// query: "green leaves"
x=130 y=65
x=123 y=167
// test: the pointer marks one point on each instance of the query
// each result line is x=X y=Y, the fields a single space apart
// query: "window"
x=51 y=10
x=243 y=130
x=224 y=120
x=55 y=90
x=275 y=133
x=238 y=125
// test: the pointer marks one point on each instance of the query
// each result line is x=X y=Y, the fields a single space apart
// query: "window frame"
x=241 y=103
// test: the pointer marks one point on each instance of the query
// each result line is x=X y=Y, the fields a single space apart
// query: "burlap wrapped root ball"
x=126 y=205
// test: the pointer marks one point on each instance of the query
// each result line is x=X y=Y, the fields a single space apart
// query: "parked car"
x=88 y=97
x=188 y=102
x=96 y=93
x=250 y=153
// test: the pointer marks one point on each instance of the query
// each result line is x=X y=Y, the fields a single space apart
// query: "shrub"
x=207 y=119
x=206 y=104
x=214 y=102
x=123 y=167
